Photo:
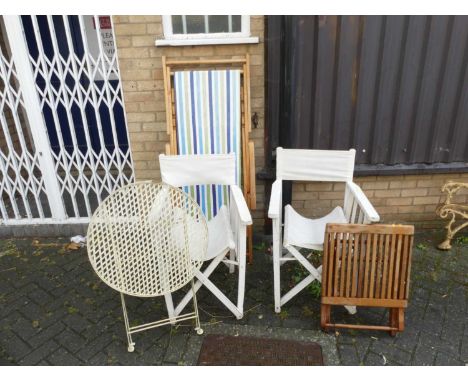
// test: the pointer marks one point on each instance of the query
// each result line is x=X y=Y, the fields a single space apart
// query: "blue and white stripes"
x=208 y=122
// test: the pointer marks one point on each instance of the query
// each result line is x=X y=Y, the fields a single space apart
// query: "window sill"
x=208 y=41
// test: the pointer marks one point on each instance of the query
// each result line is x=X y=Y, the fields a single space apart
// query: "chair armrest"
x=274 y=209
x=237 y=200
x=251 y=171
x=451 y=188
x=448 y=206
x=364 y=203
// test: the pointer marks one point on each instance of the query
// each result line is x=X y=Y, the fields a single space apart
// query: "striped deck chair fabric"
x=209 y=122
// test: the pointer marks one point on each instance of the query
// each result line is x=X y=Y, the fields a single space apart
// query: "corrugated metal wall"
x=393 y=87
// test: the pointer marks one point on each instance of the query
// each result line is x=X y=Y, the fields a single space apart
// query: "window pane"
x=236 y=23
x=195 y=24
x=215 y=24
x=218 y=24
x=177 y=24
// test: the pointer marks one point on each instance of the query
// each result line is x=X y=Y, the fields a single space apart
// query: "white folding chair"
x=301 y=232
x=226 y=230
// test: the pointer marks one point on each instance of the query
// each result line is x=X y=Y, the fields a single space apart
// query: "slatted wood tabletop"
x=367 y=265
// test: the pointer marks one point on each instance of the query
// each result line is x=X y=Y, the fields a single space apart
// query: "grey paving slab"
x=56 y=311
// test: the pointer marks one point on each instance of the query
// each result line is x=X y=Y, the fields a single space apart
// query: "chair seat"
x=308 y=233
x=220 y=238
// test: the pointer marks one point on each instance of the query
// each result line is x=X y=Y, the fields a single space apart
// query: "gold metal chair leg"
x=446 y=245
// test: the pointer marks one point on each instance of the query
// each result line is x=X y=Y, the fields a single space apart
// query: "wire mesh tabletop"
x=147 y=240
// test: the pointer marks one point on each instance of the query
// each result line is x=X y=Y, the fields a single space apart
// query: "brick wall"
x=398 y=199
x=407 y=198
x=143 y=88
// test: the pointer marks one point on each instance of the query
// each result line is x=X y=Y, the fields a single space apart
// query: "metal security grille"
x=70 y=74
x=21 y=183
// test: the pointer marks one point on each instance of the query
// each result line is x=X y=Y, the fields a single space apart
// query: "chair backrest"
x=315 y=165
x=192 y=170
x=208 y=113
x=205 y=177
x=367 y=264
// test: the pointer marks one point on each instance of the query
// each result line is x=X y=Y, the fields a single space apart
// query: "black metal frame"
x=392 y=87
x=325 y=75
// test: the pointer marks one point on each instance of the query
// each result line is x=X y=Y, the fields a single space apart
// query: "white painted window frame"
x=179 y=39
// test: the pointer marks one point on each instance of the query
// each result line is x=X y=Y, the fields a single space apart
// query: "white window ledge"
x=207 y=41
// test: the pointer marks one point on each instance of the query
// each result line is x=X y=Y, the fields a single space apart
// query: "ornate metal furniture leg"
x=452 y=209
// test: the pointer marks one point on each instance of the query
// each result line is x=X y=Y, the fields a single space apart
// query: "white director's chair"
x=301 y=232
x=226 y=230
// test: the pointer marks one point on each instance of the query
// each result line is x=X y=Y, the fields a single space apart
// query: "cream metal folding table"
x=148 y=240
